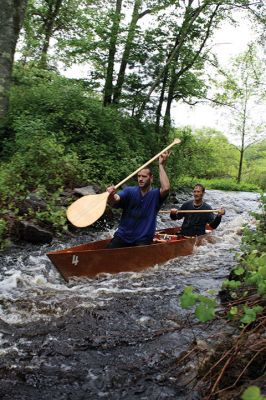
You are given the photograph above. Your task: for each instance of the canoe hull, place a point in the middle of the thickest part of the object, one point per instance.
(93, 258)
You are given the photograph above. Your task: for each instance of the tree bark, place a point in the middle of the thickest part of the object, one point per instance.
(243, 135)
(189, 19)
(170, 98)
(129, 41)
(11, 18)
(108, 88)
(184, 68)
(160, 103)
(49, 22)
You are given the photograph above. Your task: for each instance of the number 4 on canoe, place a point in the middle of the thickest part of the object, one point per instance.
(86, 210)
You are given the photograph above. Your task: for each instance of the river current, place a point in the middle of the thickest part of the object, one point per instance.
(117, 336)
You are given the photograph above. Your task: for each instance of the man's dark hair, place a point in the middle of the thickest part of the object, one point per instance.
(201, 186)
(149, 169)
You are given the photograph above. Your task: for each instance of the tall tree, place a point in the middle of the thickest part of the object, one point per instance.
(11, 18)
(131, 33)
(140, 10)
(108, 87)
(189, 16)
(49, 21)
(198, 21)
(48, 26)
(185, 60)
(242, 90)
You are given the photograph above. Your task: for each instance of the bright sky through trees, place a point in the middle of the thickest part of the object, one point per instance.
(228, 43)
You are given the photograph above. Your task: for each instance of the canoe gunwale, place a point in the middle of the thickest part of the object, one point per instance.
(75, 249)
(93, 258)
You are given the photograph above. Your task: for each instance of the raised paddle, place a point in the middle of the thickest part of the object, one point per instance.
(86, 210)
(188, 211)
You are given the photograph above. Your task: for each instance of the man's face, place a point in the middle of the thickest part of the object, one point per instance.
(144, 178)
(198, 193)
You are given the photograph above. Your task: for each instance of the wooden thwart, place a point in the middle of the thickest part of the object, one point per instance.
(188, 211)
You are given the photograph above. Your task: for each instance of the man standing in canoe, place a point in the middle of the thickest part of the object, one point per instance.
(140, 205)
(194, 223)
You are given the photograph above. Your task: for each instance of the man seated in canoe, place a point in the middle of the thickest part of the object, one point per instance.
(195, 222)
(140, 205)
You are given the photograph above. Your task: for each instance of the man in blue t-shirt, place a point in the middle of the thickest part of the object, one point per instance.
(195, 222)
(140, 205)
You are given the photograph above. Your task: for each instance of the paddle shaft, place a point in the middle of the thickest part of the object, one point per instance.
(188, 211)
(176, 141)
(86, 210)
(165, 234)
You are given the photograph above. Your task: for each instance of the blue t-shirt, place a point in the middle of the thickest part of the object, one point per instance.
(138, 220)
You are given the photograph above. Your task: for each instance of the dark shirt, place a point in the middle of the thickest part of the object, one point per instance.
(138, 220)
(194, 223)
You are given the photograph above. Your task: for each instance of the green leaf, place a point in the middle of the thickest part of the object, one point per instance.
(207, 300)
(239, 271)
(233, 311)
(232, 284)
(262, 269)
(252, 393)
(212, 291)
(250, 314)
(262, 288)
(188, 298)
(205, 312)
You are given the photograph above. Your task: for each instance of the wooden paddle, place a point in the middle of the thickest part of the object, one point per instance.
(86, 210)
(188, 211)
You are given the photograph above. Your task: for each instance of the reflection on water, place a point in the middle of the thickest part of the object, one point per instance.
(116, 336)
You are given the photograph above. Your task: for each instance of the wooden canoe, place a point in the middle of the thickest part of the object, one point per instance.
(90, 259)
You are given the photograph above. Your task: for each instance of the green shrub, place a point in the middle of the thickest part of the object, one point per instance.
(3, 232)
(230, 185)
(41, 161)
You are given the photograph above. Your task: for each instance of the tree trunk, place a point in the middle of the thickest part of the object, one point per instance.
(108, 88)
(187, 24)
(129, 41)
(174, 76)
(49, 23)
(160, 104)
(170, 98)
(167, 117)
(240, 165)
(243, 134)
(242, 148)
(11, 17)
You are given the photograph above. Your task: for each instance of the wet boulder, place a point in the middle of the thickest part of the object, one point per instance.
(32, 202)
(32, 233)
(85, 190)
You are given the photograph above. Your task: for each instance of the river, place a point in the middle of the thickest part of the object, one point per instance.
(118, 336)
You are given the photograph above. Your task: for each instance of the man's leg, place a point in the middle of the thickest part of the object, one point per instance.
(143, 242)
(117, 242)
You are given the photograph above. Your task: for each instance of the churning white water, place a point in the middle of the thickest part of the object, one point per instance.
(31, 288)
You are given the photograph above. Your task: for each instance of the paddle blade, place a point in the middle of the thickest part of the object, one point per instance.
(86, 210)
